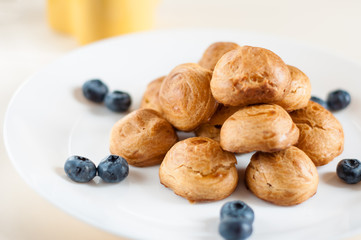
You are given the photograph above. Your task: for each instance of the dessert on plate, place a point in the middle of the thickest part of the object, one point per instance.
(287, 177)
(299, 93)
(198, 169)
(250, 75)
(186, 98)
(265, 127)
(142, 137)
(214, 52)
(321, 134)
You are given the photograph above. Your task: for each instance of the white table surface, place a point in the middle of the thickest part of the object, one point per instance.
(27, 44)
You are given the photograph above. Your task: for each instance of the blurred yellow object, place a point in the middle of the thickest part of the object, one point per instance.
(91, 20)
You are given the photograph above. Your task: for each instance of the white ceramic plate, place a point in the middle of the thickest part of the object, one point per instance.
(48, 120)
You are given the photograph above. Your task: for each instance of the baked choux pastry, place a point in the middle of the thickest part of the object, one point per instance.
(142, 137)
(285, 178)
(321, 134)
(214, 52)
(266, 128)
(299, 93)
(151, 94)
(186, 98)
(212, 128)
(250, 75)
(199, 170)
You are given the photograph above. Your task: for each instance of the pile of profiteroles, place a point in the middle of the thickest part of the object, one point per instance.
(236, 100)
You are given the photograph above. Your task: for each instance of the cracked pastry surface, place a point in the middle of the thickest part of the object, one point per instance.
(321, 134)
(214, 52)
(299, 93)
(151, 94)
(286, 178)
(250, 75)
(212, 128)
(186, 98)
(199, 170)
(265, 127)
(142, 137)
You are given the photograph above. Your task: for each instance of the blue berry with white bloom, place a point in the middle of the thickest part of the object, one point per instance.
(95, 90)
(80, 169)
(238, 210)
(236, 220)
(118, 101)
(113, 169)
(234, 229)
(338, 100)
(349, 170)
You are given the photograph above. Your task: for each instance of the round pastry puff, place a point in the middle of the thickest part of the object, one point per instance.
(299, 93)
(142, 137)
(214, 52)
(186, 98)
(250, 75)
(265, 127)
(199, 170)
(212, 128)
(321, 134)
(150, 98)
(285, 178)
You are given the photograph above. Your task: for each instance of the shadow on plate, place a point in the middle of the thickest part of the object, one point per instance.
(135, 176)
(332, 179)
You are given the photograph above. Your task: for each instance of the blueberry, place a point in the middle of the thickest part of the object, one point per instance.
(118, 101)
(80, 169)
(234, 229)
(237, 210)
(338, 100)
(319, 101)
(95, 90)
(113, 169)
(349, 170)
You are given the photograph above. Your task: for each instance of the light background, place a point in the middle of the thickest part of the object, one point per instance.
(27, 44)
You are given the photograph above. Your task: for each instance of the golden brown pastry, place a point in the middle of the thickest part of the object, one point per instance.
(199, 170)
(214, 52)
(142, 137)
(150, 97)
(321, 134)
(266, 128)
(299, 93)
(250, 75)
(186, 98)
(285, 178)
(212, 128)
